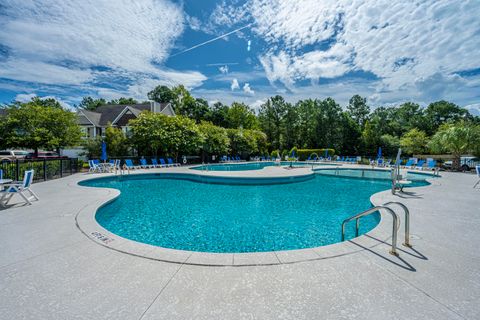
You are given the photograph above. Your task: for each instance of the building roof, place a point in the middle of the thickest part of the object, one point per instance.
(110, 113)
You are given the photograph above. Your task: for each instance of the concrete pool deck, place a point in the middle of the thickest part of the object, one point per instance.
(51, 270)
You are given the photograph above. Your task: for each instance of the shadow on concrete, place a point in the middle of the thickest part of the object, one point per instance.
(396, 260)
(409, 195)
(400, 248)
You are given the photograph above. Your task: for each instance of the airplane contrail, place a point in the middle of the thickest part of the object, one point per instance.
(222, 64)
(211, 40)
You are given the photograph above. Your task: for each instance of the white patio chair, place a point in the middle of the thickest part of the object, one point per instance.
(23, 189)
(477, 169)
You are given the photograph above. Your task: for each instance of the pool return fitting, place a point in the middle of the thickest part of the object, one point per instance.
(395, 224)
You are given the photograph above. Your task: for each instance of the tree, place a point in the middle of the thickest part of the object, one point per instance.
(389, 144)
(186, 105)
(123, 101)
(440, 112)
(351, 135)
(33, 126)
(307, 111)
(215, 139)
(242, 142)
(182, 99)
(117, 143)
(358, 109)
(456, 139)
(408, 116)
(161, 94)
(271, 117)
(92, 148)
(239, 115)
(148, 133)
(156, 132)
(218, 114)
(414, 142)
(291, 126)
(88, 103)
(370, 139)
(328, 127)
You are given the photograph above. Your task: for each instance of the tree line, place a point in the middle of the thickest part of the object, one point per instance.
(277, 126)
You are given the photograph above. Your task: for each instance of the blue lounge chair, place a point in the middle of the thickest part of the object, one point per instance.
(21, 188)
(163, 163)
(410, 164)
(144, 164)
(420, 164)
(129, 164)
(155, 163)
(431, 164)
(380, 163)
(171, 163)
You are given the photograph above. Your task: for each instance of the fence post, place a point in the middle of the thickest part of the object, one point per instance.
(44, 169)
(17, 170)
(71, 166)
(61, 168)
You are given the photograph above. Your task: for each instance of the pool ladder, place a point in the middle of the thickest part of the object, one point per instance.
(395, 226)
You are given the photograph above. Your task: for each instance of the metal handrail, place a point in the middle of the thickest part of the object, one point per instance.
(356, 217)
(407, 221)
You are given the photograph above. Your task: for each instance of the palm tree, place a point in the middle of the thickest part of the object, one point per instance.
(457, 139)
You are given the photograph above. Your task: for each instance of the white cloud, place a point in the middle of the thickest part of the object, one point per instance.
(402, 42)
(257, 103)
(223, 69)
(193, 22)
(121, 34)
(25, 97)
(248, 90)
(474, 109)
(87, 43)
(234, 85)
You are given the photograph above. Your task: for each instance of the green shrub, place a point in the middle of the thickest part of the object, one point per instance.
(275, 153)
(303, 154)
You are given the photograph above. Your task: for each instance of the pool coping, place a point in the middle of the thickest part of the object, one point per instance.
(87, 224)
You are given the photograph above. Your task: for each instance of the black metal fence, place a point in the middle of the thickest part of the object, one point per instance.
(45, 169)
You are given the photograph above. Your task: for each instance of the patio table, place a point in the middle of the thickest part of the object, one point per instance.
(5, 181)
(105, 167)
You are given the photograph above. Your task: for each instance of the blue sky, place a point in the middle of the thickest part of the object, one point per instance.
(242, 50)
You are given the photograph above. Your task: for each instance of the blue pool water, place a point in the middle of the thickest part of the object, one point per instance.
(195, 216)
(251, 165)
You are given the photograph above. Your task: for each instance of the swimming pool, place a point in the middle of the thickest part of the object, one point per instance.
(252, 165)
(189, 215)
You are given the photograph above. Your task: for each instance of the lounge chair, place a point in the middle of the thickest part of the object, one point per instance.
(92, 167)
(410, 164)
(129, 165)
(380, 163)
(163, 163)
(155, 163)
(477, 169)
(171, 163)
(420, 164)
(431, 164)
(144, 164)
(21, 188)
